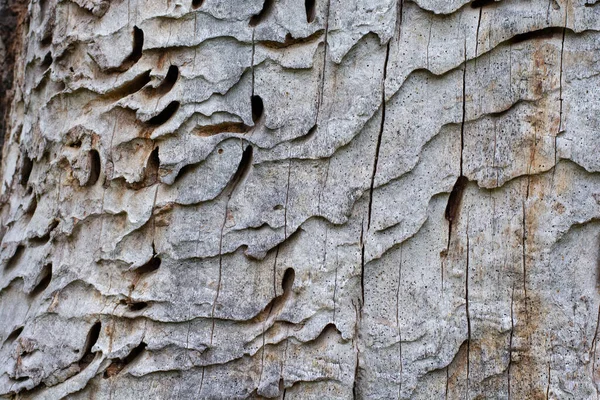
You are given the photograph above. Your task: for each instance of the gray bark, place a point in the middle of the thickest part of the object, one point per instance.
(321, 199)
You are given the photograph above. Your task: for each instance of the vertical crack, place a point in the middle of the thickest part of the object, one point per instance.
(287, 196)
(477, 36)
(594, 341)
(252, 59)
(468, 312)
(510, 340)
(548, 384)
(382, 125)
(335, 289)
(560, 87)
(322, 86)
(398, 318)
(362, 263)
(464, 108)
(524, 248)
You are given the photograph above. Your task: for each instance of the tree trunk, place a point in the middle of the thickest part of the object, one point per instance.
(321, 199)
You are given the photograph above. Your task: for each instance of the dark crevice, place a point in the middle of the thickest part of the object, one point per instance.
(468, 312)
(242, 170)
(167, 84)
(310, 10)
(118, 365)
(264, 13)
(545, 33)
(257, 108)
(44, 280)
(46, 62)
(32, 207)
(455, 198)
(45, 238)
(136, 52)
(95, 166)
(289, 40)
(14, 335)
(130, 87)
(14, 260)
(13, 18)
(149, 267)
(483, 3)
(288, 280)
(223, 127)
(90, 341)
(276, 304)
(379, 137)
(165, 114)
(137, 306)
(197, 4)
(362, 263)
(26, 168)
(150, 174)
(184, 171)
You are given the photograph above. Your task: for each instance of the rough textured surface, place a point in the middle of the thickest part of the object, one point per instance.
(320, 199)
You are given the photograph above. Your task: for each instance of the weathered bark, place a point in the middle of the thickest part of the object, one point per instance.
(319, 199)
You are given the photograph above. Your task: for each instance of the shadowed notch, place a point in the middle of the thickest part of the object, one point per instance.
(90, 341)
(167, 84)
(95, 166)
(264, 13)
(309, 5)
(258, 108)
(44, 280)
(482, 3)
(118, 365)
(455, 198)
(165, 114)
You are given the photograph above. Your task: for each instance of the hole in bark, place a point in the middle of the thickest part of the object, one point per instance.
(482, 3)
(260, 17)
(26, 169)
(243, 168)
(220, 151)
(545, 33)
(47, 61)
(44, 281)
(184, 171)
(310, 10)
(223, 127)
(90, 341)
(14, 335)
(169, 81)
(40, 240)
(197, 4)
(94, 159)
(288, 280)
(138, 306)
(278, 207)
(455, 198)
(257, 108)
(14, 260)
(46, 40)
(150, 266)
(152, 166)
(130, 87)
(32, 207)
(138, 44)
(165, 114)
(118, 365)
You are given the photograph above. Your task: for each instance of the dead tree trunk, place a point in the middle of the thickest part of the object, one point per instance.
(321, 199)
